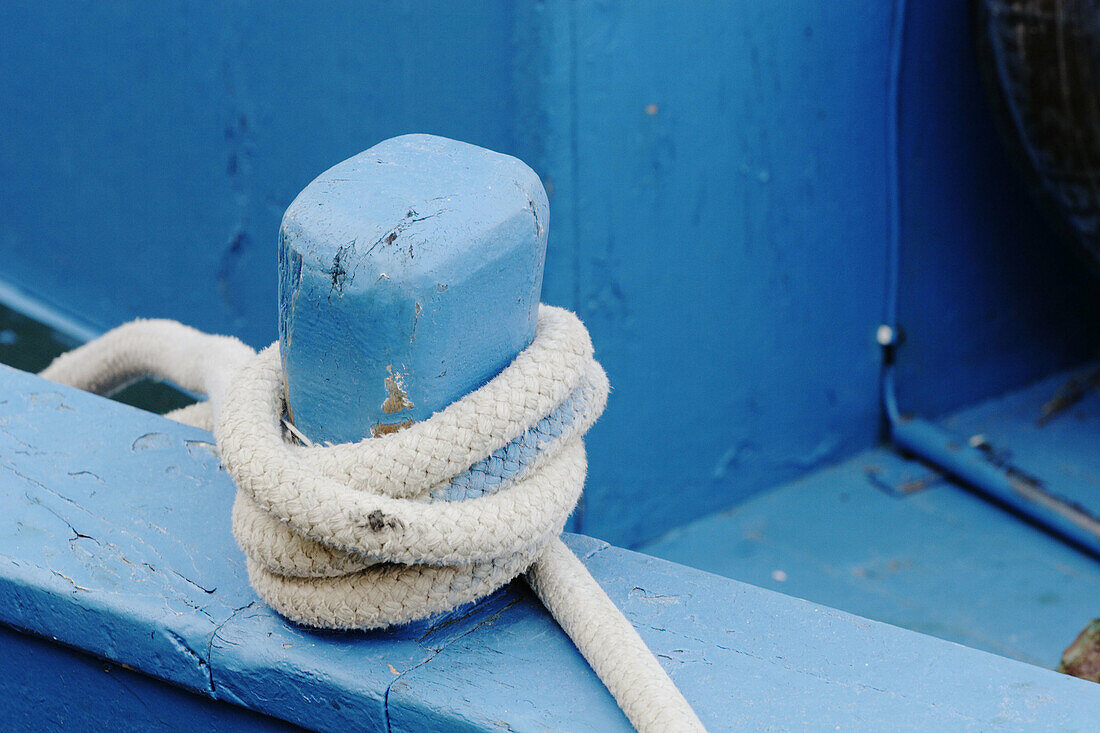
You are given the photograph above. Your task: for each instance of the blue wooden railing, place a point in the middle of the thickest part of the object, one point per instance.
(115, 545)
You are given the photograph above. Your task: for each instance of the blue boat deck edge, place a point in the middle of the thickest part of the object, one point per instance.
(115, 540)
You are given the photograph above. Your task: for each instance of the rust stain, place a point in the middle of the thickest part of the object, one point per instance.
(397, 394)
(379, 429)
(1082, 658)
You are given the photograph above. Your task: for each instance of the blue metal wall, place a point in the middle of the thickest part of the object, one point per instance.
(151, 148)
(725, 182)
(722, 197)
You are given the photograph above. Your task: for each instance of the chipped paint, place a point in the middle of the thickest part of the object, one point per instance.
(397, 395)
(379, 429)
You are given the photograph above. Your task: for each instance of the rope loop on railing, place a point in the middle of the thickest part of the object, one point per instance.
(417, 522)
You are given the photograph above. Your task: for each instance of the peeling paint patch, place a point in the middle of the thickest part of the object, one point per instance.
(76, 587)
(338, 272)
(88, 474)
(640, 592)
(203, 666)
(48, 400)
(150, 441)
(379, 429)
(202, 449)
(397, 398)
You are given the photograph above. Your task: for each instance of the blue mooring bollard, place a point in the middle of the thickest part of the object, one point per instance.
(409, 275)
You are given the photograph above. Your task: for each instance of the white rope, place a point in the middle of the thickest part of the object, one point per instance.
(398, 528)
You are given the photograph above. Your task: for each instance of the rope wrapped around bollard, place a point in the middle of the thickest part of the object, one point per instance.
(400, 527)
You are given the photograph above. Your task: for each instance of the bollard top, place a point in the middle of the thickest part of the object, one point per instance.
(412, 206)
(409, 275)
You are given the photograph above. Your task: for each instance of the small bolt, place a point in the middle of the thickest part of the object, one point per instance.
(886, 335)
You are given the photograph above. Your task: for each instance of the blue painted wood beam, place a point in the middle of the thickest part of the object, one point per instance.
(38, 695)
(115, 540)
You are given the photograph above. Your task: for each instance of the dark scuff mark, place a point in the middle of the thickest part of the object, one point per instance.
(535, 215)
(377, 521)
(77, 474)
(530, 207)
(240, 148)
(198, 585)
(411, 217)
(231, 256)
(338, 272)
(207, 667)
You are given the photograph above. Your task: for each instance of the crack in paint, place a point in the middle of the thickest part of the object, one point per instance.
(435, 652)
(213, 638)
(411, 217)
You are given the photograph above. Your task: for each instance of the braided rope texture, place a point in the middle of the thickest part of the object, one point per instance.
(407, 525)
(367, 535)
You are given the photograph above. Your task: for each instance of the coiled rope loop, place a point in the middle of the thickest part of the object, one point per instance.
(349, 536)
(407, 525)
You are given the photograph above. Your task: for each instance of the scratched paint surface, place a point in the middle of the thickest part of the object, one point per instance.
(128, 516)
(115, 539)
